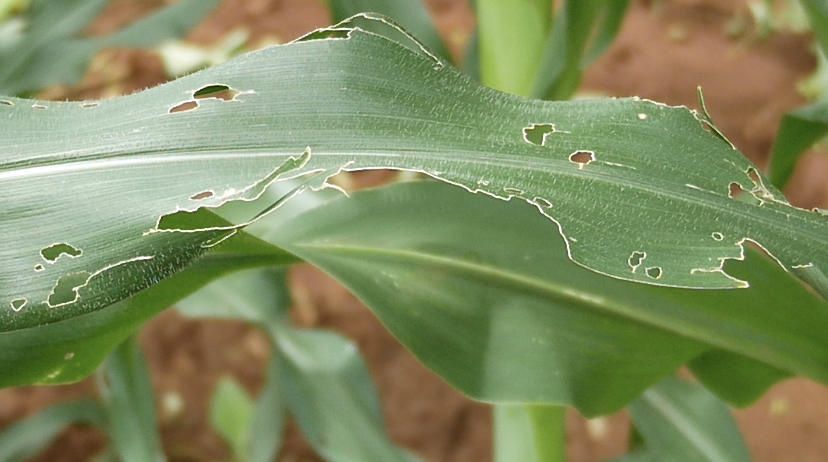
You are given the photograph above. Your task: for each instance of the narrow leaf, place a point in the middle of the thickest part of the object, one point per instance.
(130, 406)
(606, 29)
(50, 54)
(682, 422)
(320, 375)
(230, 415)
(798, 131)
(328, 390)
(268, 419)
(817, 12)
(24, 439)
(510, 41)
(411, 14)
(561, 62)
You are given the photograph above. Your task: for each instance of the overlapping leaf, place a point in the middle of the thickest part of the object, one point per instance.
(639, 190)
(475, 289)
(321, 376)
(682, 422)
(50, 53)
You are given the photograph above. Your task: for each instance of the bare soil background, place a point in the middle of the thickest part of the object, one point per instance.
(665, 49)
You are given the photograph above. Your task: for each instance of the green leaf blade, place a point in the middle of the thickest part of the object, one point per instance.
(684, 422)
(798, 130)
(101, 178)
(474, 289)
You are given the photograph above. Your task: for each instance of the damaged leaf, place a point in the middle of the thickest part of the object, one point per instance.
(102, 176)
(476, 291)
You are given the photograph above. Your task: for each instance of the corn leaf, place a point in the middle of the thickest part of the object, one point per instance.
(24, 439)
(798, 131)
(268, 419)
(50, 53)
(817, 12)
(258, 296)
(99, 200)
(564, 52)
(328, 390)
(411, 14)
(319, 375)
(230, 414)
(510, 42)
(682, 422)
(39, 354)
(475, 289)
(737, 379)
(130, 406)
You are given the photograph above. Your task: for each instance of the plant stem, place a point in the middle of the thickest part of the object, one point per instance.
(531, 433)
(511, 38)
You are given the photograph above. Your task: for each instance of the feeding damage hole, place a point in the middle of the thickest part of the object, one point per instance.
(717, 236)
(18, 303)
(184, 107)
(66, 289)
(202, 195)
(54, 251)
(582, 158)
(38, 106)
(5, 102)
(89, 104)
(340, 33)
(222, 92)
(754, 176)
(642, 116)
(38, 267)
(542, 202)
(635, 259)
(735, 190)
(536, 133)
(654, 272)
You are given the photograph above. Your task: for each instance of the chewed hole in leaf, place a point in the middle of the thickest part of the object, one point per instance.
(55, 251)
(89, 104)
(183, 107)
(582, 158)
(635, 259)
(66, 288)
(329, 33)
(5, 102)
(18, 303)
(754, 176)
(202, 195)
(222, 92)
(735, 190)
(654, 272)
(536, 133)
(38, 106)
(717, 236)
(543, 202)
(642, 116)
(38, 267)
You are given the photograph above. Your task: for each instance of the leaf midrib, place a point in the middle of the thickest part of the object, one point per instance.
(567, 294)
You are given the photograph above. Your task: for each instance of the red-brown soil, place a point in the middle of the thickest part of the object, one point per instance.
(665, 49)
